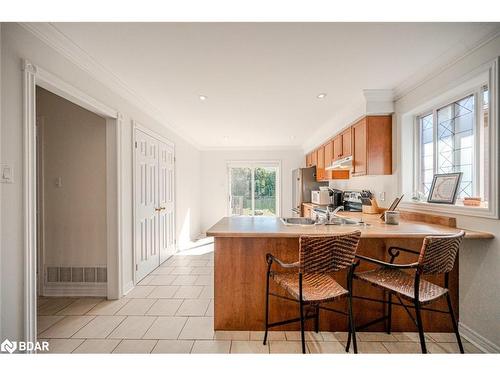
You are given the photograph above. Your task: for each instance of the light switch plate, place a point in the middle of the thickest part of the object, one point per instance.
(6, 174)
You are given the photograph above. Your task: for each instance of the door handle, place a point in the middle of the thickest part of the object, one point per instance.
(160, 209)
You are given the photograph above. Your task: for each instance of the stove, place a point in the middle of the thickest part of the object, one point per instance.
(352, 201)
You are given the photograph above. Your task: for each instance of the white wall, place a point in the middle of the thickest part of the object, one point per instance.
(17, 43)
(214, 191)
(479, 260)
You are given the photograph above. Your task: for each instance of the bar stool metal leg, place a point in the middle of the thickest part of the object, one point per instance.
(420, 326)
(352, 326)
(301, 303)
(316, 319)
(389, 314)
(454, 321)
(267, 306)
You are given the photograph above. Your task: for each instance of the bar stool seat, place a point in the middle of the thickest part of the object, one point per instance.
(402, 283)
(316, 287)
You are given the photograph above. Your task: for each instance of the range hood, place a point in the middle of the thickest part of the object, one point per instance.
(344, 163)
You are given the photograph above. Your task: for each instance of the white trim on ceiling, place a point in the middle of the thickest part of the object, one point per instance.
(54, 38)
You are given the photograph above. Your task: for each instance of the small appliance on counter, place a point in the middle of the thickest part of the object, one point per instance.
(369, 203)
(352, 201)
(321, 196)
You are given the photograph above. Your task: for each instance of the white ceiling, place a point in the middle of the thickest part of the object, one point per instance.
(262, 79)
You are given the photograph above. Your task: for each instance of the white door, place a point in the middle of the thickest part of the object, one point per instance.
(166, 201)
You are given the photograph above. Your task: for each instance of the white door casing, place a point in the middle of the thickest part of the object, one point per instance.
(154, 235)
(166, 201)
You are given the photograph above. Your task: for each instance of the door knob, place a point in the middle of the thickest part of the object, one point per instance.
(160, 209)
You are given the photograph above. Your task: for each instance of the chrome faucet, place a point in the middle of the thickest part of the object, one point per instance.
(330, 214)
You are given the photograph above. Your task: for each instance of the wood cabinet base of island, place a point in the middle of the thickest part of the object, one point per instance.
(240, 282)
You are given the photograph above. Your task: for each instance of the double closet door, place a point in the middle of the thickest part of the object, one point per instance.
(154, 229)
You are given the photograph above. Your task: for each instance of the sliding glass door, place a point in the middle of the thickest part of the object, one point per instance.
(254, 188)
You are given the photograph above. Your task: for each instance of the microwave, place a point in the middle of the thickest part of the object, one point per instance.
(321, 197)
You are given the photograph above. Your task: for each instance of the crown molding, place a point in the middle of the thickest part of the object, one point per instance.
(54, 38)
(252, 148)
(442, 63)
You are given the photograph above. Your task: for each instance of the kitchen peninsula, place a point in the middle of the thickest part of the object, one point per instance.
(240, 269)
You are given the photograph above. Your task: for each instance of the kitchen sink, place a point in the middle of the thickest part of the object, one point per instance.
(297, 221)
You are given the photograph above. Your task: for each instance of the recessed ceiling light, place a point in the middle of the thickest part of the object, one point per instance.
(321, 95)
(203, 97)
(226, 138)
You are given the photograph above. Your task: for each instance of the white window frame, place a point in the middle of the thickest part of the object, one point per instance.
(408, 140)
(252, 165)
(478, 104)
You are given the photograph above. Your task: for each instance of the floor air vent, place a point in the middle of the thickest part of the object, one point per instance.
(76, 275)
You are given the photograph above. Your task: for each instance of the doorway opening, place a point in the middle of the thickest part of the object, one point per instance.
(71, 199)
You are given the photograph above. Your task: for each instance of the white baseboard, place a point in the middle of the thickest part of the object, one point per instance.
(480, 342)
(75, 290)
(128, 287)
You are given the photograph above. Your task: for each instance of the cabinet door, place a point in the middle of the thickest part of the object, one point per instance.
(346, 143)
(328, 159)
(320, 166)
(359, 138)
(314, 157)
(308, 160)
(337, 147)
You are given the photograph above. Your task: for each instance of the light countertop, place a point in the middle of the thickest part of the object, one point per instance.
(260, 226)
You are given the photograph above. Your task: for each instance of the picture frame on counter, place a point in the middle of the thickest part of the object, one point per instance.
(444, 188)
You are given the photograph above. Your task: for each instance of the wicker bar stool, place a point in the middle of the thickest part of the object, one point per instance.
(437, 256)
(310, 281)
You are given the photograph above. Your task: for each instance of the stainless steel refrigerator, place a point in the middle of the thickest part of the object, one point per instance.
(303, 182)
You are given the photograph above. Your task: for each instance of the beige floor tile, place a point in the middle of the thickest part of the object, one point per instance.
(210, 310)
(189, 291)
(52, 305)
(250, 347)
(329, 336)
(60, 346)
(204, 280)
(164, 291)
(108, 307)
(442, 337)
(93, 346)
(166, 328)
(342, 336)
(99, 328)
(44, 322)
(374, 336)
(184, 280)
(368, 347)
(165, 307)
(181, 270)
(232, 335)
(67, 327)
(202, 270)
(140, 291)
(286, 347)
(173, 346)
(162, 279)
(198, 328)
(410, 336)
(135, 346)
(136, 306)
(162, 271)
(133, 327)
(211, 347)
(208, 292)
(271, 336)
(452, 347)
(145, 281)
(318, 347)
(80, 306)
(199, 263)
(193, 307)
(309, 336)
(402, 347)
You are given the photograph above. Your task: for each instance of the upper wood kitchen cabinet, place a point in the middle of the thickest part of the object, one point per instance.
(320, 166)
(309, 160)
(342, 145)
(372, 146)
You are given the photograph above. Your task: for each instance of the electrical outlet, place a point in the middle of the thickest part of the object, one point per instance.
(381, 196)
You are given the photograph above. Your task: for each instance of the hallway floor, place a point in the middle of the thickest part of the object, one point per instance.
(171, 311)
